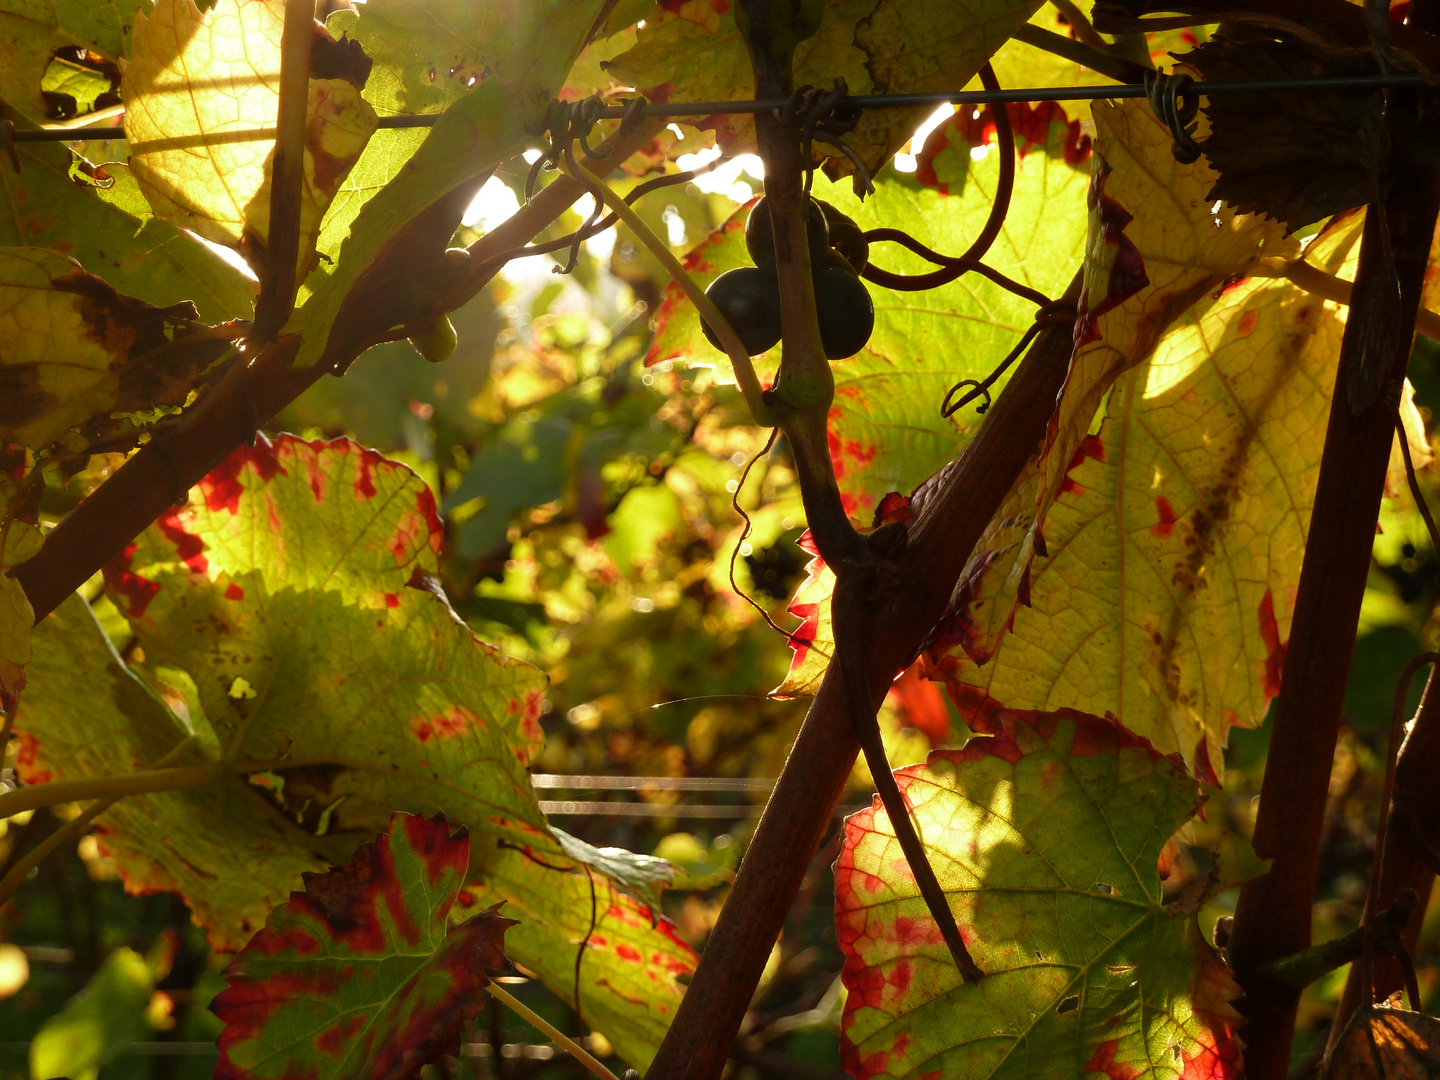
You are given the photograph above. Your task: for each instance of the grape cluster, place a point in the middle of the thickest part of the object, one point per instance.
(749, 296)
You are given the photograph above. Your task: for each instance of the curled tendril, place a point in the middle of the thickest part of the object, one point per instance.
(825, 116)
(1175, 103)
(1052, 313)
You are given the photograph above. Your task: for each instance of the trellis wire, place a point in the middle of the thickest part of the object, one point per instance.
(865, 101)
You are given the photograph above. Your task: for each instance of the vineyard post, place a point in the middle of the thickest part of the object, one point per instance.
(1274, 912)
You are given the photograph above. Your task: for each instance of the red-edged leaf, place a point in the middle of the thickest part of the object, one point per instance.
(1045, 837)
(356, 976)
(1173, 549)
(291, 613)
(814, 642)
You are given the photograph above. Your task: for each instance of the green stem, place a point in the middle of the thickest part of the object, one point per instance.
(104, 787)
(43, 850)
(1102, 60)
(569, 1045)
(739, 358)
(1300, 969)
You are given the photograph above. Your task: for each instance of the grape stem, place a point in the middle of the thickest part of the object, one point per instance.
(16, 875)
(739, 359)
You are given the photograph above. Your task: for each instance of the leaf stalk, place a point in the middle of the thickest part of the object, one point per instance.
(570, 1046)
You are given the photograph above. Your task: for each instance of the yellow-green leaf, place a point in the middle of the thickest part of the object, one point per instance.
(694, 52)
(31, 30)
(492, 122)
(1045, 838)
(16, 619)
(1175, 543)
(1190, 248)
(201, 93)
(79, 355)
(99, 217)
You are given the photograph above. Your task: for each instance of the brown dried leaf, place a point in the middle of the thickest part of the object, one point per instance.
(1296, 157)
(1386, 1042)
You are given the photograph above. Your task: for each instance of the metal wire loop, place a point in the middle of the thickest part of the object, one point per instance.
(1176, 104)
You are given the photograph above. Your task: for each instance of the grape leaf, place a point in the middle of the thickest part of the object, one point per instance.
(1264, 164)
(884, 47)
(1189, 249)
(356, 975)
(433, 51)
(82, 357)
(16, 619)
(31, 31)
(412, 73)
(813, 641)
(1385, 1041)
(494, 121)
(289, 612)
(284, 595)
(80, 83)
(19, 540)
(632, 963)
(104, 1018)
(201, 93)
(886, 431)
(54, 203)
(1046, 838)
(1175, 544)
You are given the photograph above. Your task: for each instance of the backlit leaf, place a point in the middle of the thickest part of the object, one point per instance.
(356, 976)
(633, 959)
(284, 594)
(289, 610)
(813, 641)
(1175, 543)
(79, 355)
(16, 619)
(414, 72)
(884, 47)
(1045, 837)
(1188, 249)
(201, 93)
(491, 123)
(110, 231)
(30, 30)
(82, 84)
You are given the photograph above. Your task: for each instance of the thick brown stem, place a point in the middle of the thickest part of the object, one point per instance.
(950, 522)
(287, 172)
(1273, 917)
(152, 480)
(1412, 817)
